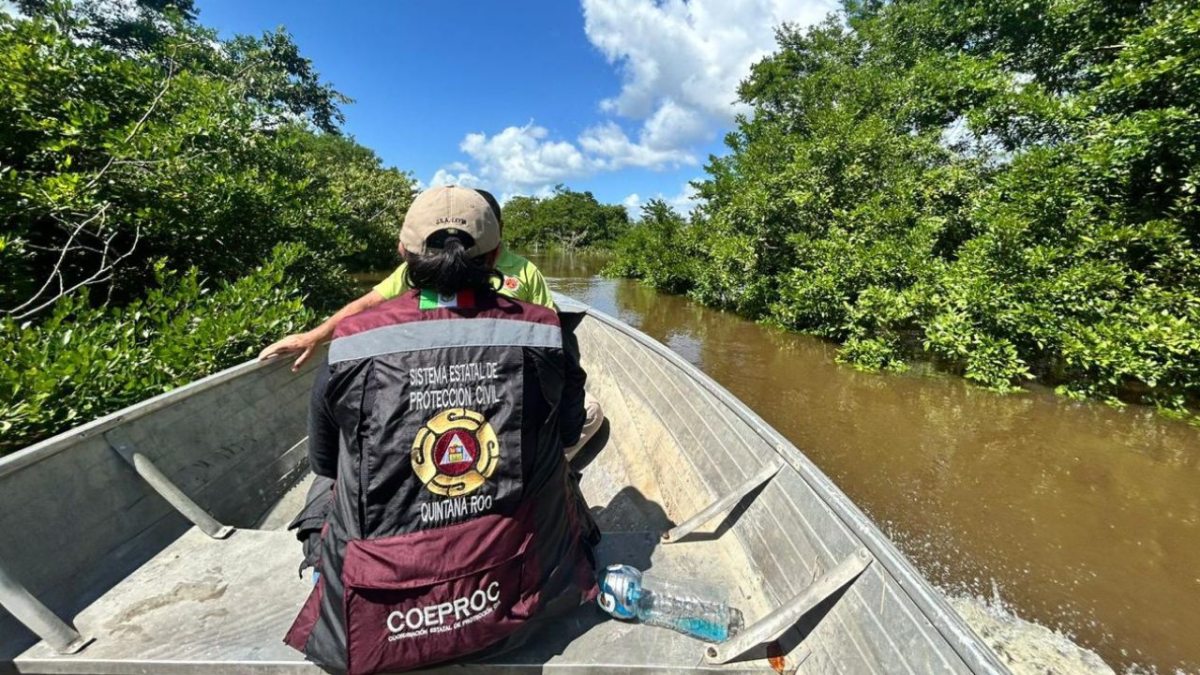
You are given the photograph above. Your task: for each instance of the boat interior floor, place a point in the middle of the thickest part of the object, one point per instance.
(205, 604)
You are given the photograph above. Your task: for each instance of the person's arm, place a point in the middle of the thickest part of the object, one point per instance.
(322, 428)
(306, 342)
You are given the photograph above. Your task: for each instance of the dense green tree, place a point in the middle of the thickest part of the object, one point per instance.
(184, 148)
(169, 202)
(670, 236)
(365, 203)
(566, 219)
(1007, 186)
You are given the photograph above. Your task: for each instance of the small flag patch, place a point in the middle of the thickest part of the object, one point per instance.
(431, 299)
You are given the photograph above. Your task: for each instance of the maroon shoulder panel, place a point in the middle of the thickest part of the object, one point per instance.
(405, 308)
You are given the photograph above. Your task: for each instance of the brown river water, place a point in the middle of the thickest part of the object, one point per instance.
(1077, 516)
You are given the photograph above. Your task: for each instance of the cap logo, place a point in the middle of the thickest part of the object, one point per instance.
(450, 219)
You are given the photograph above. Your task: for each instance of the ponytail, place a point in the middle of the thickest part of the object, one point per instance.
(447, 268)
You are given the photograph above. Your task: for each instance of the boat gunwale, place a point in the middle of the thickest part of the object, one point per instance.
(49, 447)
(969, 647)
(932, 603)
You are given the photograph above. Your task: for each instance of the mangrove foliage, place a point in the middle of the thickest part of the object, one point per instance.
(563, 220)
(1007, 187)
(171, 201)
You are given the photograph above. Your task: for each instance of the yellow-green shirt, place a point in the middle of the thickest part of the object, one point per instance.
(522, 280)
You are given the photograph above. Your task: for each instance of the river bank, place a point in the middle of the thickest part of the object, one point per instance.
(1080, 517)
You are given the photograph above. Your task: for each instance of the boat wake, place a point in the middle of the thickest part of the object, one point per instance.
(1027, 648)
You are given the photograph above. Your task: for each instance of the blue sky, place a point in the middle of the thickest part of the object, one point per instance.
(626, 98)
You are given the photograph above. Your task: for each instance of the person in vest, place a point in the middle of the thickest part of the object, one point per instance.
(521, 280)
(456, 527)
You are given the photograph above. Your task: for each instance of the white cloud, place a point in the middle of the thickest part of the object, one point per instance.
(684, 202)
(687, 199)
(674, 126)
(680, 63)
(455, 173)
(521, 158)
(525, 160)
(689, 56)
(612, 150)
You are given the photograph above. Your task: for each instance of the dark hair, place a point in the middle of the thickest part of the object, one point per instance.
(487, 197)
(446, 268)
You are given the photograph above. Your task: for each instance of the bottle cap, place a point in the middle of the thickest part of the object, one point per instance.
(620, 588)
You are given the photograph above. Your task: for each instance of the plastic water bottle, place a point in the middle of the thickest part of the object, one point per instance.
(667, 604)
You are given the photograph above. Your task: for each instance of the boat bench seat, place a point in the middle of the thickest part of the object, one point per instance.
(224, 605)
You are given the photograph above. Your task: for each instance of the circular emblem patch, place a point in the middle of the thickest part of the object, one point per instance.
(512, 283)
(455, 452)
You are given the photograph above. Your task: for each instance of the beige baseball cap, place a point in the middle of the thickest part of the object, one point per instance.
(450, 208)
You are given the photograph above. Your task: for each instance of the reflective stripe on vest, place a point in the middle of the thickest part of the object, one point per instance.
(407, 337)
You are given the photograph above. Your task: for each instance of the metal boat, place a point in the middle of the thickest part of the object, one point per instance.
(153, 540)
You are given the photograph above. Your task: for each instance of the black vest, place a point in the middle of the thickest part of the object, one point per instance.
(456, 519)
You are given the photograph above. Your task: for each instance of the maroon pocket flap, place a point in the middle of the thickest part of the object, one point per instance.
(433, 556)
(417, 599)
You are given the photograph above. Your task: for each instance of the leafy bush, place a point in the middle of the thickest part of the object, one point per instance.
(83, 362)
(668, 235)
